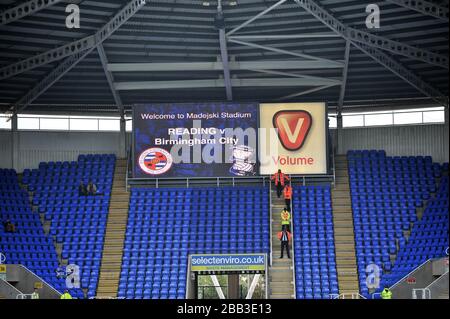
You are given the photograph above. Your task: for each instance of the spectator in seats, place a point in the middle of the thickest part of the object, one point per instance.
(91, 189)
(35, 294)
(285, 237)
(66, 295)
(82, 190)
(279, 179)
(386, 293)
(287, 192)
(9, 227)
(286, 219)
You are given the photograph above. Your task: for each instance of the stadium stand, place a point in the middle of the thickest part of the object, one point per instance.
(166, 225)
(385, 193)
(429, 237)
(29, 245)
(77, 222)
(315, 264)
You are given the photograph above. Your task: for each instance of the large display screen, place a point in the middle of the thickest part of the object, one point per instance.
(293, 138)
(195, 140)
(229, 139)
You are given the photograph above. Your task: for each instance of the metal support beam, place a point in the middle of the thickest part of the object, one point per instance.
(252, 288)
(15, 143)
(407, 75)
(285, 37)
(220, 21)
(424, 7)
(217, 286)
(117, 100)
(320, 88)
(77, 46)
(344, 75)
(256, 17)
(295, 75)
(370, 49)
(43, 85)
(218, 66)
(370, 39)
(220, 83)
(340, 138)
(110, 79)
(24, 9)
(281, 51)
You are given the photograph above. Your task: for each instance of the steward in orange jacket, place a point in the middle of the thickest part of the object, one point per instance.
(279, 179)
(287, 192)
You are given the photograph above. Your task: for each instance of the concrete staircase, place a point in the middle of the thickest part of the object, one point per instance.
(344, 238)
(115, 235)
(280, 273)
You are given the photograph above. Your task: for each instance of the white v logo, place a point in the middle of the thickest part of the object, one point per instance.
(292, 136)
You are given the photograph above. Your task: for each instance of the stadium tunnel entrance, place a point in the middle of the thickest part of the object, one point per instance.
(227, 276)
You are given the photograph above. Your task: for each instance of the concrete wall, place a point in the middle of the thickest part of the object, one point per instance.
(401, 140)
(35, 147)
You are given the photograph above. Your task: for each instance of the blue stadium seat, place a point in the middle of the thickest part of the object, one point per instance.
(222, 217)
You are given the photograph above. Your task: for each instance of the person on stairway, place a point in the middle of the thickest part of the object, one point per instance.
(285, 237)
(286, 219)
(287, 193)
(279, 179)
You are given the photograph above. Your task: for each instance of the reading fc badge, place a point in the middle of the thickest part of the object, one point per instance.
(155, 161)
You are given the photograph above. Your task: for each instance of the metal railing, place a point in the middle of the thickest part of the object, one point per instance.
(430, 287)
(223, 181)
(271, 221)
(353, 295)
(128, 169)
(425, 293)
(41, 280)
(292, 241)
(334, 166)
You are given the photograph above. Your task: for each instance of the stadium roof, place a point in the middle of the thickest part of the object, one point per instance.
(171, 51)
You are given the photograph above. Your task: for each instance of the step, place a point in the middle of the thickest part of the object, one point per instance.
(122, 197)
(340, 193)
(343, 214)
(345, 263)
(281, 296)
(347, 270)
(114, 251)
(345, 253)
(281, 276)
(282, 290)
(348, 223)
(348, 287)
(342, 187)
(345, 202)
(114, 205)
(342, 171)
(344, 233)
(345, 246)
(341, 209)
